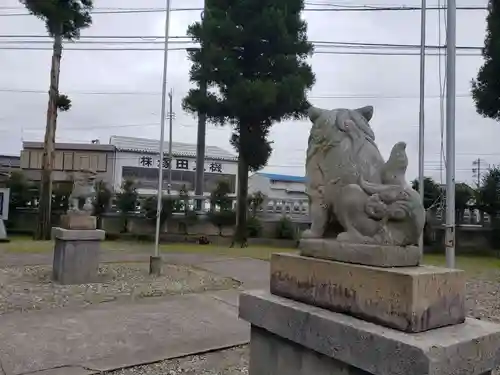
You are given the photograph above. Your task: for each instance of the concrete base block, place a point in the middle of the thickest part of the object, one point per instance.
(273, 355)
(76, 258)
(412, 299)
(312, 340)
(369, 255)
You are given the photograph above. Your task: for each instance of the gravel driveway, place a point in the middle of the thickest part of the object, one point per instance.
(31, 288)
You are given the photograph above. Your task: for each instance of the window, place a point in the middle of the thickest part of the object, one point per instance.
(25, 159)
(182, 164)
(58, 161)
(84, 162)
(68, 161)
(94, 162)
(35, 159)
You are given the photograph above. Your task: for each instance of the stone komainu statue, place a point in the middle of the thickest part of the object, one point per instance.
(83, 192)
(354, 195)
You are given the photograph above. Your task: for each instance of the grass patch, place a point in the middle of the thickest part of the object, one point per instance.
(25, 245)
(469, 263)
(256, 252)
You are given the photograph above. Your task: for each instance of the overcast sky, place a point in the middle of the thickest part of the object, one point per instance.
(389, 83)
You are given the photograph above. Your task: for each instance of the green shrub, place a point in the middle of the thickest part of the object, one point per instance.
(222, 219)
(112, 236)
(254, 227)
(285, 229)
(495, 233)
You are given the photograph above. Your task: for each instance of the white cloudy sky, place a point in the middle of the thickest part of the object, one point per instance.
(389, 83)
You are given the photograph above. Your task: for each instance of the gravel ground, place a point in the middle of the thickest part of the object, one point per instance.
(483, 292)
(31, 287)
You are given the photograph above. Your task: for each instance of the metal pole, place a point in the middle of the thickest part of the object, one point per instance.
(200, 153)
(450, 133)
(421, 117)
(200, 144)
(478, 172)
(162, 134)
(171, 119)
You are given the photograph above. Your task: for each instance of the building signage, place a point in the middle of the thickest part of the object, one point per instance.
(4, 203)
(178, 164)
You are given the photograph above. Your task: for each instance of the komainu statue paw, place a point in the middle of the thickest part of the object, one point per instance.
(308, 233)
(354, 238)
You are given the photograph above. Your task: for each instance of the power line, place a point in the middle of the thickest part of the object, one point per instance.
(332, 44)
(147, 49)
(153, 93)
(318, 9)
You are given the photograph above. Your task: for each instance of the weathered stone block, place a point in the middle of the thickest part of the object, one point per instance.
(413, 299)
(78, 221)
(465, 349)
(369, 255)
(78, 234)
(76, 256)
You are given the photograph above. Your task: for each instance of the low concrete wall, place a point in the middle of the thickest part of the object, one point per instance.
(469, 240)
(139, 227)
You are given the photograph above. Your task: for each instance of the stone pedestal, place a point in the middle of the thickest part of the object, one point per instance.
(76, 255)
(81, 221)
(328, 317)
(411, 299)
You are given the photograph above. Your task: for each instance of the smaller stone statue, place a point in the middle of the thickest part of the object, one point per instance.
(80, 200)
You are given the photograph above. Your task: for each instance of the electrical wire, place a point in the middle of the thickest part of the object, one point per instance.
(313, 9)
(327, 96)
(326, 44)
(363, 51)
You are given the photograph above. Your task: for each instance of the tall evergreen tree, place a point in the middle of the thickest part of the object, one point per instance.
(253, 60)
(63, 19)
(486, 88)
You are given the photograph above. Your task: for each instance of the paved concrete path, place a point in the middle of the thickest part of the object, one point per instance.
(103, 337)
(110, 336)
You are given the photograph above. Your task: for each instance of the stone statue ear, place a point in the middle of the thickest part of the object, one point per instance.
(366, 112)
(314, 113)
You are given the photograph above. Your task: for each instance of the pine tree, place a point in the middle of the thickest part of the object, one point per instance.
(486, 88)
(253, 58)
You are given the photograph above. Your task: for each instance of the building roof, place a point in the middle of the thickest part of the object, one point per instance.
(71, 146)
(178, 148)
(10, 160)
(283, 177)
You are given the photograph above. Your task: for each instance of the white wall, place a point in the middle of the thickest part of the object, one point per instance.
(134, 159)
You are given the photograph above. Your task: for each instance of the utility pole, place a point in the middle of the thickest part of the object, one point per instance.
(45, 203)
(450, 132)
(171, 116)
(421, 117)
(155, 261)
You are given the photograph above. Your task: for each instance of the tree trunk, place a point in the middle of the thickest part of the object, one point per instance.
(43, 231)
(240, 235)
